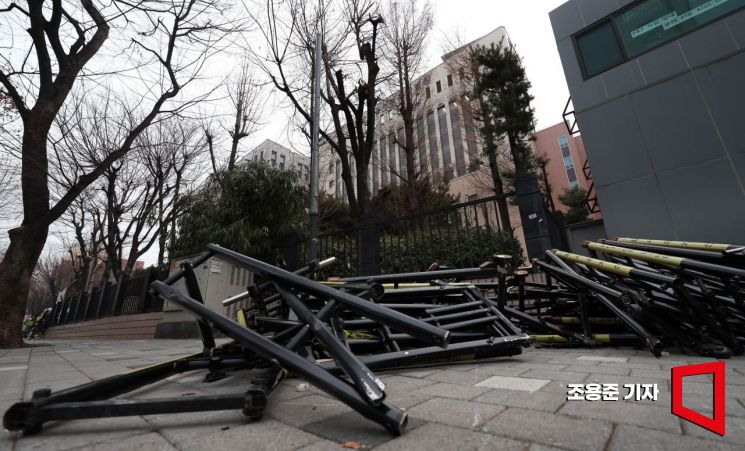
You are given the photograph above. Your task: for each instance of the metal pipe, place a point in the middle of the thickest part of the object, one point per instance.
(391, 418)
(397, 320)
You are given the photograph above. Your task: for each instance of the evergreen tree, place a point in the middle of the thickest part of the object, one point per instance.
(575, 199)
(504, 90)
(247, 209)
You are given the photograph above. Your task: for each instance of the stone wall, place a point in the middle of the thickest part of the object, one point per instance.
(126, 327)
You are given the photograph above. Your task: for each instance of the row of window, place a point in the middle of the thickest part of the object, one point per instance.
(302, 169)
(568, 161)
(386, 151)
(428, 93)
(643, 26)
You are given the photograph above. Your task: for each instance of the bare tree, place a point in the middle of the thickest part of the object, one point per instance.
(167, 43)
(247, 103)
(55, 274)
(459, 58)
(349, 33)
(408, 25)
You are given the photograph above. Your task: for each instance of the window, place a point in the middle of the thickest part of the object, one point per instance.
(439, 86)
(428, 92)
(644, 26)
(444, 141)
(432, 133)
(460, 159)
(599, 49)
(450, 80)
(232, 275)
(568, 161)
(274, 158)
(654, 22)
(281, 161)
(307, 173)
(331, 185)
(262, 155)
(331, 168)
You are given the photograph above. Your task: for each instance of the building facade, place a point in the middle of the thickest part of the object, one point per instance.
(445, 134)
(281, 157)
(567, 165)
(658, 91)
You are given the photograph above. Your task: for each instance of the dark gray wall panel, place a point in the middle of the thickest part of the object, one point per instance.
(570, 62)
(615, 148)
(663, 62)
(736, 24)
(588, 94)
(723, 85)
(708, 44)
(566, 20)
(706, 202)
(738, 161)
(594, 10)
(623, 79)
(675, 124)
(635, 208)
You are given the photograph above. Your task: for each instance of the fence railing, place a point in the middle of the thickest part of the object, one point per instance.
(463, 235)
(127, 297)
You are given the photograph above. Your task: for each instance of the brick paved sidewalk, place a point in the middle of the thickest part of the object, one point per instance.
(514, 404)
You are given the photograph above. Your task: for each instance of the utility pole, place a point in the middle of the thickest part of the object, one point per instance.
(313, 244)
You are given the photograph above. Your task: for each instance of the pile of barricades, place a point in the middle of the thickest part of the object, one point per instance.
(334, 333)
(657, 294)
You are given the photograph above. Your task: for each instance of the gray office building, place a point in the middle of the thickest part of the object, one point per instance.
(658, 88)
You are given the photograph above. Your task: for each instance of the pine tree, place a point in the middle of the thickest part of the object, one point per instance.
(504, 89)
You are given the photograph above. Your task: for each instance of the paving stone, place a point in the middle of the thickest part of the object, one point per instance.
(262, 435)
(549, 429)
(185, 426)
(561, 376)
(619, 371)
(308, 409)
(632, 364)
(322, 445)
(149, 441)
(634, 438)
(650, 373)
(539, 447)
(636, 414)
(496, 370)
(452, 390)
(354, 427)
(462, 414)
(437, 436)
(82, 433)
(541, 366)
(398, 384)
(597, 358)
(546, 401)
(424, 372)
(735, 431)
(459, 377)
(514, 383)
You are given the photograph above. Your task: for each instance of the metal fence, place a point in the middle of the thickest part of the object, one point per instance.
(128, 297)
(463, 235)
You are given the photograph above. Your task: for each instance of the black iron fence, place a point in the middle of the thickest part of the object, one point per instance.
(461, 235)
(127, 297)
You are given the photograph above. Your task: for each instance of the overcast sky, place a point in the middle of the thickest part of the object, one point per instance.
(529, 28)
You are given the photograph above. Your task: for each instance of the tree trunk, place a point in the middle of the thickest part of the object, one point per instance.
(504, 212)
(16, 269)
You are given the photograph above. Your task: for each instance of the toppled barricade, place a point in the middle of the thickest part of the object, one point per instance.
(329, 334)
(656, 294)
